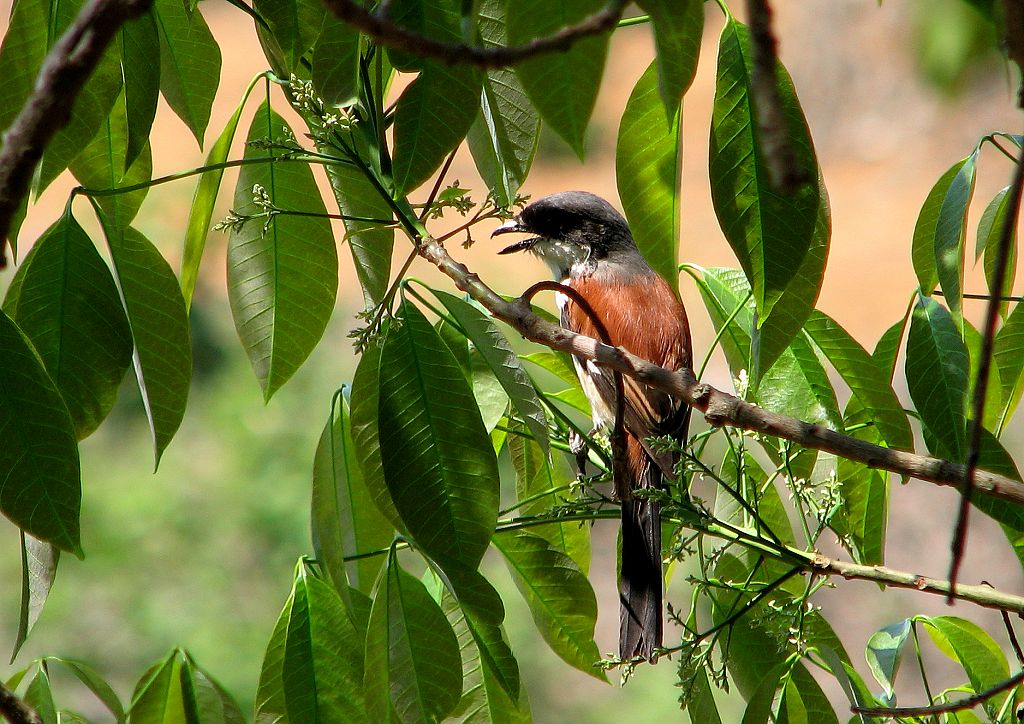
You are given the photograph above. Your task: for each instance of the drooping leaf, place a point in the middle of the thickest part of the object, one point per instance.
(39, 697)
(21, 55)
(678, 27)
(560, 597)
(336, 62)
(189, 64)
(938, 247)
(346, 521)
(294, 25)
(432, 116)
(140, 64)
(990, 229)
(38, 569)
(936, 367)
(504, 134)
(759, 704)
(413, 670)
(437, 460)
(65, 301)
(203, 202)
(647, 169)
(159, 323)
(1009, 358)
(101, 165)
(496, 351)
(769, 231)
(885, 651)
(562, 86)
(94, 682)
(41, 489)
(282, 270)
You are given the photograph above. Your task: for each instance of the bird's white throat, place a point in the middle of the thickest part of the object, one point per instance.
(561, 256)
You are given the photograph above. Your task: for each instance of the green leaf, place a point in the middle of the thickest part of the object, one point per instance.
(770, 232)
(647, 169)
(159, 697)
(503, 137)
(432, 117)
(436, 456)
(294, 25)
(270, 707)
(159, 323)
(560, 598)
(336, 62)
(759, 705)
(536, 473)
(884, 652)
(700, 702)
(1009, 359)
(436, 19)
(868, 382)
(993, 389)
(365, 398)
(938, 252)
(562, 86)
(496, 351)
(212, 701)
(936, 368)
(101, 165)
(40, 479)
(861, 521)
(94, 682)
(990, 228)
(371, 243)
(140, 63)
(851, 682)
(994, 457)
(282, 273)
(678, 28)
(66, 303)
(21, 55)
(204, 200)
(189, 64)
(38, 569)
(39, 697)
(491, 398)
(346, 521)
(967, 643)
(413, 669)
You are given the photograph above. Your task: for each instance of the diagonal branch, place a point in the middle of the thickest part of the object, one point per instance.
(66, 68)
(379, 27)
(719, 408)
(964, 704)
(15, 710)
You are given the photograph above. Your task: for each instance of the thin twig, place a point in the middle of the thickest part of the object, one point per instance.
(1006, 235)
(64, 73)
(966, 703)
(15, 710)
(383, 31)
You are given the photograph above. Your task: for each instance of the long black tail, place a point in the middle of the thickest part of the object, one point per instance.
(640, 578)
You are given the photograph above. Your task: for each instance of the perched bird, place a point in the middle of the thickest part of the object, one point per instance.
(588, 246)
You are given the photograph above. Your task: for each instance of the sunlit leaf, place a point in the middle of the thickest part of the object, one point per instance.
(678, 28)
(967, 643)
(885, 651)
(990, 229)
(140, 63)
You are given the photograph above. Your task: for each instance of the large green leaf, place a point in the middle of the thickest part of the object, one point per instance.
(432, 116)
(203, 202)
(769, 231)
(413, 670)
(38, 570)
(936, 367)
(967, 643)
(938, 247)
(678, 27)
(294, 26)
(282, 271)
(40, 479)
(39, 697)
(504, 135)
(159, 323)
(437, 459)
(496, 351)
(102, 163)
(21, 55)
(140, 64)
(563, 86)
(65, 301)
(346, 520)
(336, 62)
(160, 697)
(647, 168)
(884, 652)
(990, 229)
(868, 382)
(537, 474)
(189, 64)
(560, 598)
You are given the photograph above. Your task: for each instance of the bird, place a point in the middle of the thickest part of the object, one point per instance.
(588, 246)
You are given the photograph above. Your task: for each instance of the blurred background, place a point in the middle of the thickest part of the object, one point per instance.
(201, 553)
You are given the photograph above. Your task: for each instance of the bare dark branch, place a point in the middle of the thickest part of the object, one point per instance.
(963, 704)
(15, 710)
(383, 31)
(65, 70)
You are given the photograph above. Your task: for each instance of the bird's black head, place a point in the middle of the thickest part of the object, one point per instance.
(569, 229)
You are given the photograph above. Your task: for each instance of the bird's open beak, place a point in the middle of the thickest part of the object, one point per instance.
(513, 226)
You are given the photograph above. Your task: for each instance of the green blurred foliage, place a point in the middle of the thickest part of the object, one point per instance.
(953, 40)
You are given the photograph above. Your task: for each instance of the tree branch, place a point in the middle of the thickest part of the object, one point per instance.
(385, 32)
(15, 710)
(960, 705)
(719, 408)
(66, 68)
